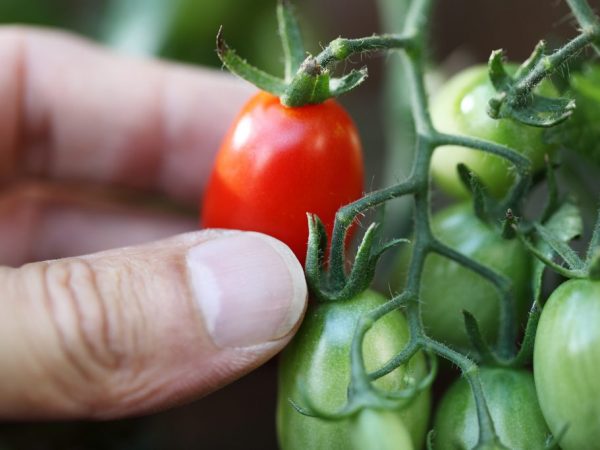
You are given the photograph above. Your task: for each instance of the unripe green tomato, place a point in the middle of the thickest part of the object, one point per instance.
(381, 430)
(319, 358)
(459, 107)
(447, 288)
(512, 402)
(566, 363)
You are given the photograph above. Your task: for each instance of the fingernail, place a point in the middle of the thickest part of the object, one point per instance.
(250, 288)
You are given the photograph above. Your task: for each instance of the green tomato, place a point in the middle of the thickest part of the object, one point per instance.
(459, 107)
(319, 359)
(447, 288)
(382, 430)
(566, 361)
(512, 402)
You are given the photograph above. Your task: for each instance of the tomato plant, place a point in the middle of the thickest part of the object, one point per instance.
(460, 107)
(566, 363)
(513, 405)
(319, 359)
(295, 151)
(447, 288)
(278, 163)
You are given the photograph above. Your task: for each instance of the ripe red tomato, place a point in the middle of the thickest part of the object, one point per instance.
(278, 163)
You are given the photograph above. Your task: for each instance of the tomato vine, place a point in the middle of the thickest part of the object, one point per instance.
(515, 100)
(308, 80)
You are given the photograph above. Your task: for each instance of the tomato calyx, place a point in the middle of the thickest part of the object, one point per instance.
(328, 281)
(553, 237)
(308, 79)
(516, 99)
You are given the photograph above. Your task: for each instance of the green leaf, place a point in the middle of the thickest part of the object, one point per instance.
(566, 223)
(566, 253)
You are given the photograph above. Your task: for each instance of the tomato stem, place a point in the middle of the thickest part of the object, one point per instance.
(587, 19)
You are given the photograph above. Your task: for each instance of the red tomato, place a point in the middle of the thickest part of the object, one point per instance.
(278, 163)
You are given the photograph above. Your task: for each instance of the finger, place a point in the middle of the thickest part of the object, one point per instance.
(40, 221)
(73, 111)
(142, 328)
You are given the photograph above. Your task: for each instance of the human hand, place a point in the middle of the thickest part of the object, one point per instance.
(142, 327)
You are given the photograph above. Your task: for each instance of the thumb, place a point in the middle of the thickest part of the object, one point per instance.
(141, 328)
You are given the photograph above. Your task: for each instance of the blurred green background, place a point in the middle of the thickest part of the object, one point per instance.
(463, 31)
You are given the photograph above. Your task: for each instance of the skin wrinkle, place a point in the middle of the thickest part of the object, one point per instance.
(135, 298)
(61, 275)
(64, 386)
(105, 360)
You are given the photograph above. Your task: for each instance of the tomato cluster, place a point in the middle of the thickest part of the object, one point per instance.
(476, 274)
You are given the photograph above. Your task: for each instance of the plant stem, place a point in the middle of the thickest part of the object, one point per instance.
(550, 63)
(341, 48)
(586, 18)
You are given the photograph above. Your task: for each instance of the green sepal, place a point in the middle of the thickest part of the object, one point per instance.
(291, 38)
(499, 77)
(339, 86)
(527, 108)
(481, 200)
(594, 245)
(564, 225)
(540, 111)
(315, 252)
(525, 354)
(594, 266)
(534, 59)
(560, 247)
(483, 352)
(244, 70)
(363, 268)
(509, 224)
(430, 439)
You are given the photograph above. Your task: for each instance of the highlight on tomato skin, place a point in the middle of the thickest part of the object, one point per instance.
(566, 359)
(459, 107)
(278, 163)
